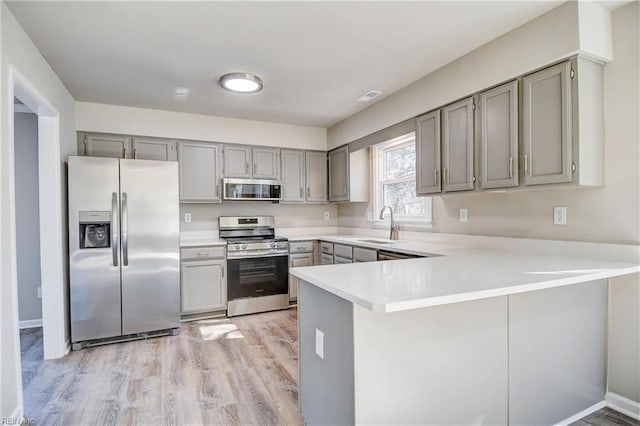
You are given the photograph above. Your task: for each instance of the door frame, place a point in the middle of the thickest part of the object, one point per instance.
(52, 224)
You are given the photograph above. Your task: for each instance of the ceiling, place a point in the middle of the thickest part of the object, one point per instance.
(316, 58)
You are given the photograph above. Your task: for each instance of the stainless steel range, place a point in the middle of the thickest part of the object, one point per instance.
(257, 265)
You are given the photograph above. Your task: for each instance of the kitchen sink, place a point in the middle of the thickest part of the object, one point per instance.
(376, 241)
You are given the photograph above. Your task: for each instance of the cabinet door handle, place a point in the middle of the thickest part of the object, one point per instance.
(202, 253)
(510, 167)
(526, 165)
(124, 153)
(85, 144)
(255, 166)
(435, 177)
(135, 154)
(308, 192)
(300, 191)
(246, 167)
(218, 190)
(445, 176)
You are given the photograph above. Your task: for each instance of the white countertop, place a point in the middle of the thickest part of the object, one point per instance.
(458, 275)
(200, 238)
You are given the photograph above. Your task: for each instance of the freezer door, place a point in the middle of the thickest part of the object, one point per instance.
(94, 270)
(150, 245)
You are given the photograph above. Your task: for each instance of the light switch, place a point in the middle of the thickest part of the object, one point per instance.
(320, 343)
(560, 215)
(187, 218)
(464, 215)
(327, 215)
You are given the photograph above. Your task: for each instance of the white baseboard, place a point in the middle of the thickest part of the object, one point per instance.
(581, 414)
(623, 405)
(30, 323)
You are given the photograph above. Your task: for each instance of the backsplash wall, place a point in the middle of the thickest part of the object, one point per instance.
(204, 217)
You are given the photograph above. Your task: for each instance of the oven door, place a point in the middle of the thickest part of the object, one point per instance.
(257, 276)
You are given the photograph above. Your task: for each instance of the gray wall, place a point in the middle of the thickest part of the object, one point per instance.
(27, 215)
(204, 217)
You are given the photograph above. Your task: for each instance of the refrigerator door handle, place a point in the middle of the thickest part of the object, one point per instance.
(125, 231)
(114, 227)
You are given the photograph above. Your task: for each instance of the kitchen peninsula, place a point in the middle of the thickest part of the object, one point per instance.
(472, 336)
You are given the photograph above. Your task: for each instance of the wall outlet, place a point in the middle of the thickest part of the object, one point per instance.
(327, 215)
(464, 215)
(560, 215)
(187, 218)
(320, 343)
(39, 289)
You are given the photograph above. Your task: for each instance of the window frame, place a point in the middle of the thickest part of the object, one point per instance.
(377, 187)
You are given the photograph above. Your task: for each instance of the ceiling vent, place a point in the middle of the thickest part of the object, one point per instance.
(371, 94)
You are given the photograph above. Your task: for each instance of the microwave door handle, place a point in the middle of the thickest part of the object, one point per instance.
(125, 231)
(114, 227)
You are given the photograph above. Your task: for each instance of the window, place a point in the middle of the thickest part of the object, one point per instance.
(394, 175)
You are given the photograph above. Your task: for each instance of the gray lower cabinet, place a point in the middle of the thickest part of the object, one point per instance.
(316, 176)
(154, 149)
(297, 260)
(104, 145)
(203, 283)
(547, 126)
(199, 172)
(498, 136)
(457, 146)
(428, 153)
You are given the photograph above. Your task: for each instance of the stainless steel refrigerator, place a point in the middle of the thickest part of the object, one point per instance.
(123, 248)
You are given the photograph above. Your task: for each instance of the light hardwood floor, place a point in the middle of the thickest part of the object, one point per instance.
(215, 372)
(221, 371)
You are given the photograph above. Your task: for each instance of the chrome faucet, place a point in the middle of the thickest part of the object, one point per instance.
(393, 230)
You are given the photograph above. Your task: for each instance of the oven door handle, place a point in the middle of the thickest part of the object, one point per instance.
(231, 256)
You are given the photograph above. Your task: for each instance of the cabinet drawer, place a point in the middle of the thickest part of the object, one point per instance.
(201, 253)
(364, 255)
(326, 259)
(338, 259)
(326, 248)
(296, 260)
(343, 251)
(301, 247)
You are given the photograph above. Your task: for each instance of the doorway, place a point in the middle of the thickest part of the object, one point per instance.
(47, 227)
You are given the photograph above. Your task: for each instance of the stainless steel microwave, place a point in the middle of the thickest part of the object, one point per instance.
(250, 189)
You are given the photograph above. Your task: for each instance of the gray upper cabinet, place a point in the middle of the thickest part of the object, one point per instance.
(266, 163)
(428, 153)
(498, 136)
(316, 176)
(339, 174)
(546, 123)
(457, 146)
(237, 161)
(104, 145)
(304, 176)
(154, 149)
(242, 161)
(293, 176)
(199, 172)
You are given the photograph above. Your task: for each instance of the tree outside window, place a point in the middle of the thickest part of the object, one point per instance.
(394, 167)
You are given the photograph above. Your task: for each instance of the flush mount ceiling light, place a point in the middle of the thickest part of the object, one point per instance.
(241, 82)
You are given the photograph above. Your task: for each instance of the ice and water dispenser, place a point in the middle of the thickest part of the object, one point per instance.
(95, 229)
